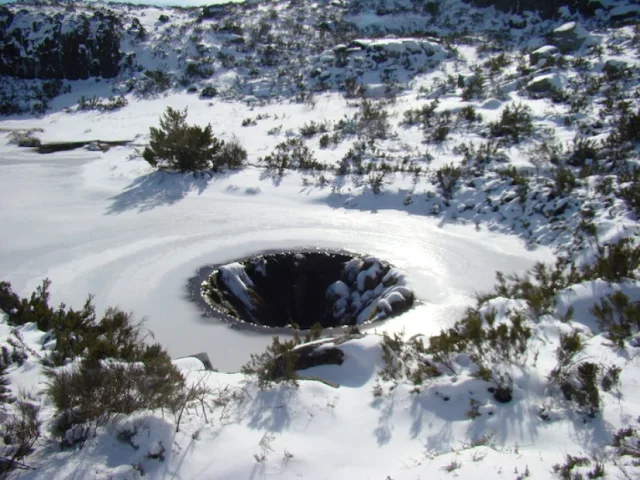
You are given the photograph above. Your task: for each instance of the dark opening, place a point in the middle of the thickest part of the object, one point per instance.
(307, 288)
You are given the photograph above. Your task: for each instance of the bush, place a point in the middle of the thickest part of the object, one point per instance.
(24, 139)
(179, 146)
(209, 92)
(447, 177)
(91, 392)
(275, 365)
(515, 123)
(292, 154)
(95, 103)
(618, 316)
(19, 432)
(564, 181)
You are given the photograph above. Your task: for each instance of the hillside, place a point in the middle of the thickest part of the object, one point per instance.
(434, 206)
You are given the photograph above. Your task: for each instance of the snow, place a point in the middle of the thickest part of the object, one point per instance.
(105, 223)
(99, 223)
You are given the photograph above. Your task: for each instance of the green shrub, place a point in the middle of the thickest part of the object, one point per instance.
(618, 316)
(179, 146)
(95, 103)
(292, 154)
(448, 177)
(614, 262)
(583, 149)
(154, 82)
(275, 365)
(564, 181)
(373, 121)
(474, 88)
(20, 431)
(564, 471)
(421, 116)
(515, 123)
(88, 394)
(312, 128)
(209, 92)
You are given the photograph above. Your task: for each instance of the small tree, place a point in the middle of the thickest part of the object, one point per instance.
(188, 148)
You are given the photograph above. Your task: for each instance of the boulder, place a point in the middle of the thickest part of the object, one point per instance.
(624, 14)
(544, 84)
(544, 56)
(568, 37)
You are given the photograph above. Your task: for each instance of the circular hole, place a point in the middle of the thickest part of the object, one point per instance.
(306, 289)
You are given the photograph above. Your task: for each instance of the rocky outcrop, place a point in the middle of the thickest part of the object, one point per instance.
(62, 46)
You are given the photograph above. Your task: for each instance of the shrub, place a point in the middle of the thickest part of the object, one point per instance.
(292, 154)
(19, 432)
(95, 103)
(447, 177)
(583, 149)
(564, 181)
(275, 365)
(179, 146)
(615, 262)
(515, 123)
(89, 393)
(422, 116)
(474, 88)
(24, 139)
(154, 82)
(209, 92)
(312, 128)
(373, 121)
(618, 317)
(564, 471)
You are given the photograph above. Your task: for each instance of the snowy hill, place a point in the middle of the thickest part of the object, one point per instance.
(476, 163)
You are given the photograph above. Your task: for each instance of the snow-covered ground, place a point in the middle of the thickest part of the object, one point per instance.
(99, 223)
(106, 223)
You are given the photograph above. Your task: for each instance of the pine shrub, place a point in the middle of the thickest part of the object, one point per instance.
(189, 148)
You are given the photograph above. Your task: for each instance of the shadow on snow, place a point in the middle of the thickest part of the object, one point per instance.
(159, 189)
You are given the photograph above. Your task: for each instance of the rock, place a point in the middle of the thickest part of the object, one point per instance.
(615, 69)
(544, 84)
(544, 56)
(307, 356)
(546, 8)
(624, 14)
(568, 37)
(203, 358)
(502, 394)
